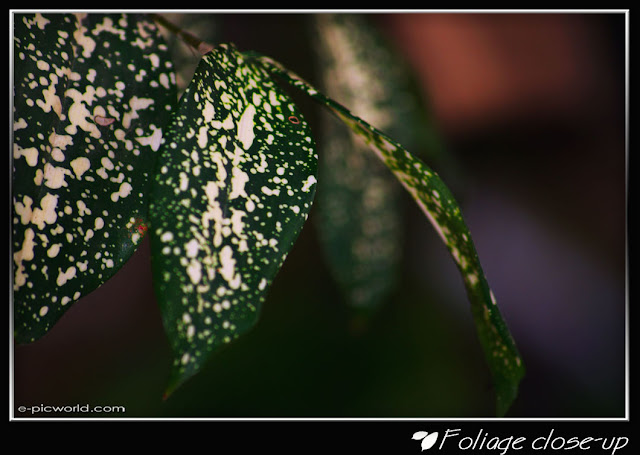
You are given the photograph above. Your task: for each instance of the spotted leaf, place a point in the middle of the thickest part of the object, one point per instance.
(91, 95)
(440, 207)
(236, 179)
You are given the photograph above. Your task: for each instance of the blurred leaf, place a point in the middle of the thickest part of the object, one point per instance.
(438, 204)
(235, 183)
(91, 95)
(358, 207)
(360, 68)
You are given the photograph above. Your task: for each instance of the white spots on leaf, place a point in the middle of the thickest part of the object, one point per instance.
(194, 270)
(154, 60)
(245, 127)
(238, 180)
(208, 113)
(124, 191)
(227, 124)
(269, 192)
(59, 142)
(61, 80)
(25, 254)
(202, 136)
(63, 277)
(54, 250)
(51, 100)
(154, 140)
(42, 65)
(46, 213)
(80, 166)
(135, 104)
(43, 310)
(107, 25)
(164, 80)
(273, 99)
(23, 209)
(19, 124)
(237, 225)
(228, 267)
(191, 248)
(229, 229)
(79, 114)
(38, 20)
(57, 155)
(307, 184)
(30, 154)
(184, 182)
(82, 208)
(227, 100)
(55, 176)
(86, 42)
(91, 75)
(98, 223)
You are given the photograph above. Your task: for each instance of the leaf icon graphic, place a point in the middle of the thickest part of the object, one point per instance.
(419, 435)
(429, 441)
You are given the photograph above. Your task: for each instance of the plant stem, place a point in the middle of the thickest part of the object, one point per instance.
(196, 43)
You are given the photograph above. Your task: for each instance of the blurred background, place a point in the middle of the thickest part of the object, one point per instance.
(531, 108)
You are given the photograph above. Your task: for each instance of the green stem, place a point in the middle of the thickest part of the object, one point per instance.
(196, 43)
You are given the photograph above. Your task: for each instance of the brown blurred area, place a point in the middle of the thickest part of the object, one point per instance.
(482, 68)
(543, 93)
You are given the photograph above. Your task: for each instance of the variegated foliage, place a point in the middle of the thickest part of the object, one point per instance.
(223, 180)
(91, 93)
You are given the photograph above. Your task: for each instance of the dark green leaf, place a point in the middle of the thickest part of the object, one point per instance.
(91, 95)
(235, 183)
(438, 204)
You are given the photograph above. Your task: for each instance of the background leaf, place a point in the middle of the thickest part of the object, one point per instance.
(359, 212)
(440, 207)
(91, 95)
(236, 181)
(358, 209)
